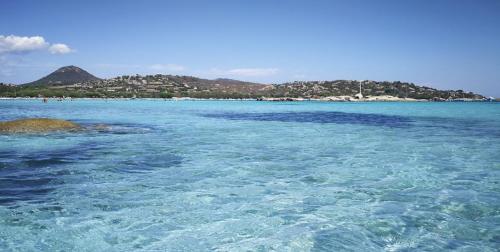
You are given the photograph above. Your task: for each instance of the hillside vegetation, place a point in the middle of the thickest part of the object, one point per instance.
(72, 81)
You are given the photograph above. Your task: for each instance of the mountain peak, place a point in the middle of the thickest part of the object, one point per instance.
(65, 75)
(70, 68)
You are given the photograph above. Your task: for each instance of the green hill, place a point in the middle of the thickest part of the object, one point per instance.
(65, 75)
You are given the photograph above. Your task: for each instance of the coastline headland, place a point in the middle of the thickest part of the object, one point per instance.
(72, 81)
(264, 99)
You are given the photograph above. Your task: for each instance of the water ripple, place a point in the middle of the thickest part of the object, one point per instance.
(320, 117)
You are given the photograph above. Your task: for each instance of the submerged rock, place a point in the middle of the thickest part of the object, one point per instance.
(37, 125)
(101, 127)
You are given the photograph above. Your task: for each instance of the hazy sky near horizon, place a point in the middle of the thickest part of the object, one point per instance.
(447, 44)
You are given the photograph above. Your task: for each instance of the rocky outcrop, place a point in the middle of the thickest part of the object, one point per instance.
(37, 125)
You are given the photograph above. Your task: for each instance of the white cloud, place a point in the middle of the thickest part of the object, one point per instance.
(253, 72)
(117, 66)
(246, 72)
(59, 49)
(17, 44)
(12, 49)
(299, 76)
(13, 44)
(167, 67)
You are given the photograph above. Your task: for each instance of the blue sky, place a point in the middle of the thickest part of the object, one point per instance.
(450, 44)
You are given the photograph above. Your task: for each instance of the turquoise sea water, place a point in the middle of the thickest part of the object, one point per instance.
(252, 176)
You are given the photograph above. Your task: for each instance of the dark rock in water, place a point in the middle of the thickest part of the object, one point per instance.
(37, 125)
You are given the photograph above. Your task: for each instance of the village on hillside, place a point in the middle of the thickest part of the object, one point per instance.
(74, 82)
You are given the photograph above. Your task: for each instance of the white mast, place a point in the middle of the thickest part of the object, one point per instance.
(359, 95)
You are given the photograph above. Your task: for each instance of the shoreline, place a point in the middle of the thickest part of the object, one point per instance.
(263, 99)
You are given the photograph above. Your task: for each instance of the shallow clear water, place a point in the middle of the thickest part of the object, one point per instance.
(257, 176)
